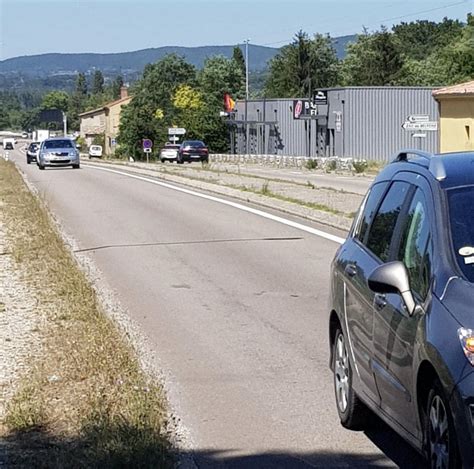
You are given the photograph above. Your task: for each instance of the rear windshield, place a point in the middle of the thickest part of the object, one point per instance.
(58, 144)
(194, 143)
(461, 216)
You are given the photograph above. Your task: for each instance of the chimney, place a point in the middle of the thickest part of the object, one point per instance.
(123, 92)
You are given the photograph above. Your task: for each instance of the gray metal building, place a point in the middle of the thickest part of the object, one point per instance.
(358, 122)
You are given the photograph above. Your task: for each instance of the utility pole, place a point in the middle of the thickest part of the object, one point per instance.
(246, 95)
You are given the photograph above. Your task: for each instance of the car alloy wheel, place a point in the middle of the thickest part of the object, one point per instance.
(353, 413)
(440, 437)
(341, 373)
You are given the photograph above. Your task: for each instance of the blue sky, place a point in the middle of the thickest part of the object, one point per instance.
(37, 26)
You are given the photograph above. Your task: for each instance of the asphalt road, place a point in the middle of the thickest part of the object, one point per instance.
(234, 306)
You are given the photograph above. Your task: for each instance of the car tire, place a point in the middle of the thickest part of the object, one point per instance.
(162, 160)
(205, 160)
(28, 160)
(41, 166)
(179, 160)
(76, 166)
(441, 446)
(353, 413)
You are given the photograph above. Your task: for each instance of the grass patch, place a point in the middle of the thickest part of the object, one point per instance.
(86, 401)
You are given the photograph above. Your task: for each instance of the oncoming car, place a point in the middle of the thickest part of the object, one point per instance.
(59, 151)
(95, 151)
(401, 324)
(32, 152)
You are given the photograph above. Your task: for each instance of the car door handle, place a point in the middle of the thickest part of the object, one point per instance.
(350, 270)
(380, 301)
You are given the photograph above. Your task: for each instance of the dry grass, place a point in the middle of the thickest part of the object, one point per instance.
(86, 402)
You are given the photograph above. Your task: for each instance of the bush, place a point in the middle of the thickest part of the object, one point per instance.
(311, 163)
(360, 166)
(331, 165)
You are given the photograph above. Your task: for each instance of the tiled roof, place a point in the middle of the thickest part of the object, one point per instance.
(105, 106)
(462, 89)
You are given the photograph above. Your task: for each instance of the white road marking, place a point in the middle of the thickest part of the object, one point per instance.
(260, 213)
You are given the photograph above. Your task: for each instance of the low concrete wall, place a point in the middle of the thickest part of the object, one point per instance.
(281, 161)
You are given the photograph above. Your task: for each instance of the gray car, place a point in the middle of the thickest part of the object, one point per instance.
(401, 320)
(59, 151)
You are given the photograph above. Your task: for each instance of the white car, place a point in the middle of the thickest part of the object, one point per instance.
(169, 153)
(95, 151)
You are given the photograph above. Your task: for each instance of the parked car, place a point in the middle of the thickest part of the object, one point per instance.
(401, 323)
(95, 151)
(32, 152)
(169, 152)
(59, 151)
(191, 150)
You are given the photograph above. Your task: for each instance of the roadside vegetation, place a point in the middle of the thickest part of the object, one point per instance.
(86, 401)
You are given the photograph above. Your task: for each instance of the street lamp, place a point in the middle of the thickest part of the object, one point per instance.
(246, 95)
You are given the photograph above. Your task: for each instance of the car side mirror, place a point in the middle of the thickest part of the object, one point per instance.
(78, 147)
(392, 277)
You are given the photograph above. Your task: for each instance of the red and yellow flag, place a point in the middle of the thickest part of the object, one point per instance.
(229, 103)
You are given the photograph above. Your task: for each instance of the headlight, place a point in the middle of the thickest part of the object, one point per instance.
(466, 336)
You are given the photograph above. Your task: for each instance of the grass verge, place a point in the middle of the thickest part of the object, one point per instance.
(86, 401)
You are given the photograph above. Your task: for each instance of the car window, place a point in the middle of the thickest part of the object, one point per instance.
(415, 247)
(461, 213)
(383, 226)
(368, 208)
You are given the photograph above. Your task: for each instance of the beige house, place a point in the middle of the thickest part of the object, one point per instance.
(456, 111)
(104, 121)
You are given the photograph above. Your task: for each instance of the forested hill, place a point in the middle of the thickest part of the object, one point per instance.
(47, 64)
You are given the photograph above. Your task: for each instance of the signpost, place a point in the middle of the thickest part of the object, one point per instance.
(147, 145)
(428, 126)
(176, 131)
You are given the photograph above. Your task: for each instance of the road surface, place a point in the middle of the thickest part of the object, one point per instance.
(234, 305)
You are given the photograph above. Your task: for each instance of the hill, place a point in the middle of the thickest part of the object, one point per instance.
(131, 62)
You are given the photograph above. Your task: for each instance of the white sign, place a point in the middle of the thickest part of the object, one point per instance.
(418, 118)
(173, 138)
(429, 126)
(176, 131)
(419, 135)
(147, 150)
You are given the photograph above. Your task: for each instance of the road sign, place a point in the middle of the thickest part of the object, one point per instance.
(173, 138)
(113, 142)
(147, 143)
(429, 126)
(419, 135)
(418, 118)
(176, 131)
(147, 150)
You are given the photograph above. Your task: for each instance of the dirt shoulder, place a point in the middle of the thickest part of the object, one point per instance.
(73, 389)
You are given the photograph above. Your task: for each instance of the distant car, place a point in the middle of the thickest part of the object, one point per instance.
(95, 151)
(169, 152)
(193, 150)
(58, 151)
(32, 152)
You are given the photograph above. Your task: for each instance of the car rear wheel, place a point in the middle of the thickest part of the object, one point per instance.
(179, 160)
(40, 166)
(76, 166)
(440, 437)
(28, 160)
(352, 411)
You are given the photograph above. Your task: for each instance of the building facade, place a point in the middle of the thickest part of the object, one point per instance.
(357, 122)
(456, 109)
(104, 121)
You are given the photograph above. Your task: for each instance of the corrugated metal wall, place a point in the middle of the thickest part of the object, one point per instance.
(373, 119)
(361, 123)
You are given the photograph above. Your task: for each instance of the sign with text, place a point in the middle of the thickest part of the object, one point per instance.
(428, 126)
(306, 109)
(176, 131)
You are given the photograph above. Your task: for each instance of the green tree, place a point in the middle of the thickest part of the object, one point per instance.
(98, 83)
(373, 60)
(116, 85)
(303, 66)
(151, 111)
(81, 85)
(56, 100)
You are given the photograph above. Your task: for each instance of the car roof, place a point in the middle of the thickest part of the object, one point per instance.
(448, 169)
